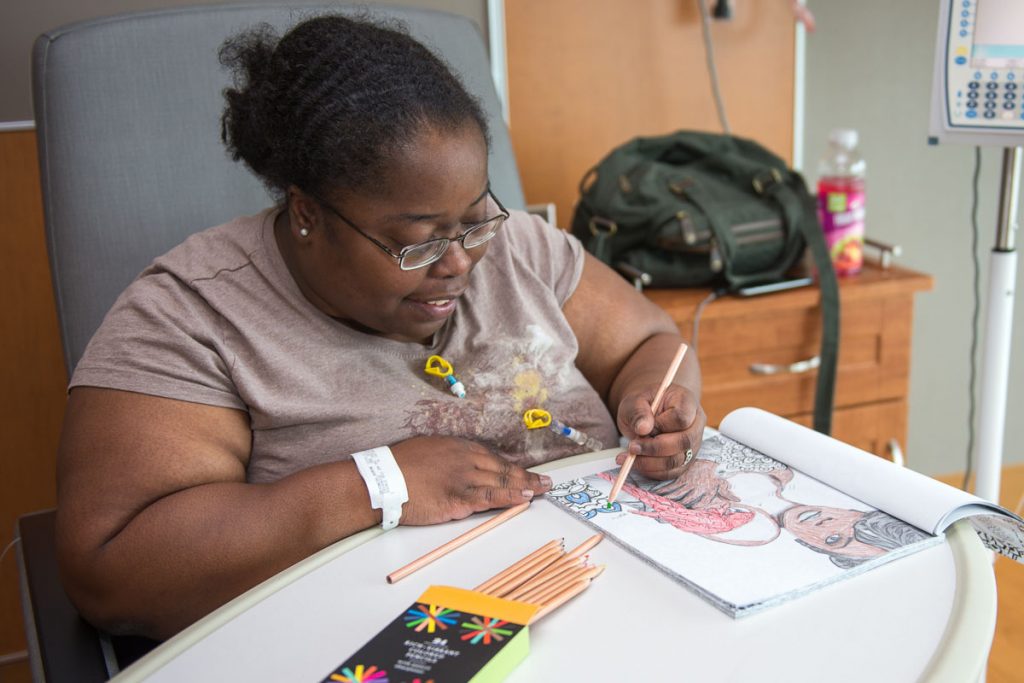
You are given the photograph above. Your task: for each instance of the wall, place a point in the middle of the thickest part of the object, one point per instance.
(869, 66)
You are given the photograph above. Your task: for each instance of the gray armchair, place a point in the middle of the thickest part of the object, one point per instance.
(127, 113)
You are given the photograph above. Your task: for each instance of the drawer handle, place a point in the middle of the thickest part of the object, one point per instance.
(796, 368)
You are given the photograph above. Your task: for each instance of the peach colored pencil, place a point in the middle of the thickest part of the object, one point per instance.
(505, 573)
(627, 465)
(572, 554)
(536, 581)
(516, 579)
(589, 572)
(586, 545)
(565, 596)
(456, 542)
(503, 591)
(553, 587)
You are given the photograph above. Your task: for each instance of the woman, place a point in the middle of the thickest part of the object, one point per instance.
(848, 537)
(220, 420)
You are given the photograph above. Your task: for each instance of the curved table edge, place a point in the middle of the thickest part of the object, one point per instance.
(961, 656)
(963, 653)
(176, 645)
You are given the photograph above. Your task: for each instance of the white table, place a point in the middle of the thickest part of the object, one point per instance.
(930, 616)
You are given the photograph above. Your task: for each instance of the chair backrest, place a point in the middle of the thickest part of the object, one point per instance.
(128, 120)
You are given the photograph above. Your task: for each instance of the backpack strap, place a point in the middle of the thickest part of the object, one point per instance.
(796, 204)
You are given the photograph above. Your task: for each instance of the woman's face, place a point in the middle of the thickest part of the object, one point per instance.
(436, 187)
(828, 529)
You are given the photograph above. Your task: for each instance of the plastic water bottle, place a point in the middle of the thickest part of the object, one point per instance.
(841, 200)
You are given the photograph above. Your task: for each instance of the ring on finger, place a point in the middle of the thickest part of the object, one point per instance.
(689, 457)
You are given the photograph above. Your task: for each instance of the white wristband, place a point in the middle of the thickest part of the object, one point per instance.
(384, 481)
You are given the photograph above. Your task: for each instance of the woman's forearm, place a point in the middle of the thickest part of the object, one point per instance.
(189, 552)
(647, 366)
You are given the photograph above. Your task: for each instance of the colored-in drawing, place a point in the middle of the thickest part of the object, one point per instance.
(696, 521)
(361, 674)
(583, 499)
(738, 525)
(430, 618)
(484, 630)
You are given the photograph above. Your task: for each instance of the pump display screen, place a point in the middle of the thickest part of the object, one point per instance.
(998, 35)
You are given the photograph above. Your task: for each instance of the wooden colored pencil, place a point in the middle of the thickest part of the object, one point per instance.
(627, 465)
(546, 591)
(483, 587)
(560, 563)
(565, 596)
(516, 579)
(569, 556)
(456, 542)
(536, 581)
(550, 591)
(586, 545)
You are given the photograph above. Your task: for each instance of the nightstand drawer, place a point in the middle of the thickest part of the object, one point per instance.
(784, 329)
(872, 357)
(873, 428)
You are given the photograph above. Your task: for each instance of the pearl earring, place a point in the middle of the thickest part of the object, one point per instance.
(304, 232)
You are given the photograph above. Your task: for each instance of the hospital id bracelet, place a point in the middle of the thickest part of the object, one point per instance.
(384, 481)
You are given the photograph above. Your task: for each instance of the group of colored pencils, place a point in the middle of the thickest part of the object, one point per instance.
(549, 576)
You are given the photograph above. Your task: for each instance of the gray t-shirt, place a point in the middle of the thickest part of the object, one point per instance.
(219, 320)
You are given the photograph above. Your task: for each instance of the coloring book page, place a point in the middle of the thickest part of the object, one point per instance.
(741, 529)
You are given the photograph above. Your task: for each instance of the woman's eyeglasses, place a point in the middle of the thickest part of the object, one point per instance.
(424, 253)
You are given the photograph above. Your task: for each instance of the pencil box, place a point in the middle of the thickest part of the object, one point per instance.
(447, 635)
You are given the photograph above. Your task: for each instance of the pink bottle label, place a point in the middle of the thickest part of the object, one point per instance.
(841, 214)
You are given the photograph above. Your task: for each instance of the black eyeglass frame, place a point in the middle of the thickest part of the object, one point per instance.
(401, 255)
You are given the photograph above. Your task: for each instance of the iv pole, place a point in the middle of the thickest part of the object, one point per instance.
(995, 369)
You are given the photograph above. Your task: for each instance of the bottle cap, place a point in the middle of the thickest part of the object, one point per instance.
(844, 137)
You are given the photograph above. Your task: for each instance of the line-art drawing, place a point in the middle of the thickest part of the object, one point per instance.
(739, 527)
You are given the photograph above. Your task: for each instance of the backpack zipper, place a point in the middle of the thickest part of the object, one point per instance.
(715, 256)
(688, 229)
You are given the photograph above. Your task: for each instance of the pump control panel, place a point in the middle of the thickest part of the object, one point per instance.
(978, 85)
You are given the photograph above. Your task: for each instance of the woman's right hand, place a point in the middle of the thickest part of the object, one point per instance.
(451, 478)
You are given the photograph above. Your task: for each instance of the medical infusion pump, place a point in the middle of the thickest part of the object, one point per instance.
(978, 84)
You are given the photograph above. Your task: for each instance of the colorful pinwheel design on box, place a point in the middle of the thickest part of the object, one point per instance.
(430, 618)
(484, 630)
(360, 674)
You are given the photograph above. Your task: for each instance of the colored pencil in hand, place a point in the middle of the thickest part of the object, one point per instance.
(627, 465)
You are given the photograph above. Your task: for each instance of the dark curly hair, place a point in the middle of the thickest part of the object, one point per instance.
(331, 102)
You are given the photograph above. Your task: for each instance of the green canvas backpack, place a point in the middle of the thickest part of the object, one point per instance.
(702, 209)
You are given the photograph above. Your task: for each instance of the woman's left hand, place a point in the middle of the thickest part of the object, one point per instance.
(661, 442)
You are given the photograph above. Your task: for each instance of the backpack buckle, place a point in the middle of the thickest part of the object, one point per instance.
(597, 223)
(766, 180)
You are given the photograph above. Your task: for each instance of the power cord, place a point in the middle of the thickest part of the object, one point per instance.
(7, 549)
(974, 320)
(695, 337)
(709, 55)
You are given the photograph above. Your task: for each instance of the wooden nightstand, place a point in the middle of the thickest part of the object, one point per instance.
(784, 328)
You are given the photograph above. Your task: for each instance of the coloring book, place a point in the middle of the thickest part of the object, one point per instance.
(769, 510)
